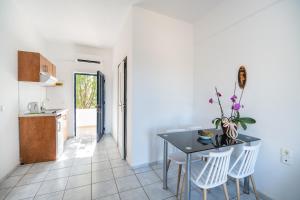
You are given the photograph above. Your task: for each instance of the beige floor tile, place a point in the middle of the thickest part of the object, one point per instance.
(53, 186)
(80, 193)
(79, 180)
(103, 189)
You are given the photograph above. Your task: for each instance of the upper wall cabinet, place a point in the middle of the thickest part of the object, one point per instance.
(31, 64)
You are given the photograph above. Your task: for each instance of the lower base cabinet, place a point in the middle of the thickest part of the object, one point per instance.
(37, 139)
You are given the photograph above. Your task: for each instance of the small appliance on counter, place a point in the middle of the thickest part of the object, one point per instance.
(34, 107)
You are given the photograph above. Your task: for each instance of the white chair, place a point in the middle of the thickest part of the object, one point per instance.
(211, 173)
(243, 167)
(178, 157)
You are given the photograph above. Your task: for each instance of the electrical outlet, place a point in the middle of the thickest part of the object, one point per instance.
(286, 156)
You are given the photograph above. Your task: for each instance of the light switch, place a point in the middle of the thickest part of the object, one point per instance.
(286, 156)
(2, 108)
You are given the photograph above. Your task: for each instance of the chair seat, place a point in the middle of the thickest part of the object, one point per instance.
(179, 157)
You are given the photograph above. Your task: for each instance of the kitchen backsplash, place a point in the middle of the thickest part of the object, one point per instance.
(30, 92)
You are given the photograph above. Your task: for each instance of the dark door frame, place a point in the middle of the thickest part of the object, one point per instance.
(125, 106)
(79, 73)
(100, 105)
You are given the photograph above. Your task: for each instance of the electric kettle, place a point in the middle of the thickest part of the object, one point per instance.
(33, 107)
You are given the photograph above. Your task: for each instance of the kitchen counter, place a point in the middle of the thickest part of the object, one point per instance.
(47, 113)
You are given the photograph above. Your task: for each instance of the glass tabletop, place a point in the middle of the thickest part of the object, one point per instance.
(190, 141)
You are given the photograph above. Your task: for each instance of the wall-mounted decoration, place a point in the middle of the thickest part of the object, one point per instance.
(242, 77)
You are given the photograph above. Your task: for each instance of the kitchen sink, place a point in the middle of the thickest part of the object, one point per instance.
(47, 111)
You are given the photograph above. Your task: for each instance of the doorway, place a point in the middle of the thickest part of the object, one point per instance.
(89, 106)
(122, 108)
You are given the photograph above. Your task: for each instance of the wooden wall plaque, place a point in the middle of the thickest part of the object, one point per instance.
(242, 77)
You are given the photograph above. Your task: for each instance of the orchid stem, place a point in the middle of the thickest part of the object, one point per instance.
(233, 102)
(222, 113)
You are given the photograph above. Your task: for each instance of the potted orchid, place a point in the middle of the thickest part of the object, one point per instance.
(230, 124)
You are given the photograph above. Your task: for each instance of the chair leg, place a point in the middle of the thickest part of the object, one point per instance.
(178, 179)
(182, 185)
(238, 189)
(168, 164)
(254, 187)
(204, 194)
(225, 191)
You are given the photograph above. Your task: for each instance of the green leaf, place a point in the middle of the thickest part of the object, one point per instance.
(247, 120)
(86, 91)
(214, 120)
(218, 122)
(238, 114)
(235, 120)
(244, 126)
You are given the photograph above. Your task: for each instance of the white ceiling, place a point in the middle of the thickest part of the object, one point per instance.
(187, 10)
(88, 22)
(98, 22)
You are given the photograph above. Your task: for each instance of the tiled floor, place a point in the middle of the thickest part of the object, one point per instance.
(83, 131)
(88, 170)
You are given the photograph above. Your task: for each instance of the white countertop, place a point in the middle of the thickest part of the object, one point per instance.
(46, 114)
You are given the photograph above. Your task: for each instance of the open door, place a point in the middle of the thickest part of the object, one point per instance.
(85, 104)
(122, 109)
(100, 105)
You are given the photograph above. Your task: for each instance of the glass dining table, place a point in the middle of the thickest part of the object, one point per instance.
(189, 142)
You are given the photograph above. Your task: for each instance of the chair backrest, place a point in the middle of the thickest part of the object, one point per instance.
(214, 172)
(245, 163)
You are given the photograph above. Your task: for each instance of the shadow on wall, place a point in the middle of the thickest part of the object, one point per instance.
(157, 146)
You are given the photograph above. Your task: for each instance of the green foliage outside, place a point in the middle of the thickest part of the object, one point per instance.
(86, 86)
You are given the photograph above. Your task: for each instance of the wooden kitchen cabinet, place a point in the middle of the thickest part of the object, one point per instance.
(31, 64)
(42, 136)
(53, 70)
(44, 65)
(37, 139)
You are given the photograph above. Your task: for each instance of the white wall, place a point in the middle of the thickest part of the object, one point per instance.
(160, 53)
(86, 117)
(264, 36)
(122, 49)
(63, 55)
(162, 80)
(16, 34)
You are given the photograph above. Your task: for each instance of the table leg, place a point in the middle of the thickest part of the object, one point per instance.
(188, 177)
(165, 173)
(246, 185)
